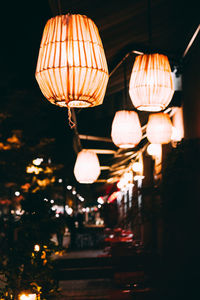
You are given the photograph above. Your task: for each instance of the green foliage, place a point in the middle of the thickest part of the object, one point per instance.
(20, 264)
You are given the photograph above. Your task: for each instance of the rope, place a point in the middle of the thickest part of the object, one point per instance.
(71, 123)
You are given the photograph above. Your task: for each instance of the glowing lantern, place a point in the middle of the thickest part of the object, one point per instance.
(154, 149)
(87, 167)
(28, 297)
(72, 69)
(137, 167)
(159, 128)
(37, 248)
(151, 86)
(126, 129)
(178, 127)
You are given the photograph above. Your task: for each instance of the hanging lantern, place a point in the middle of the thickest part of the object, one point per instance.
(137, 167)
(72, 69)
(154, 150)
(178, 125)
(126, 129)
(151, 86)
(87, 167)
(159, 128)
(28, 297)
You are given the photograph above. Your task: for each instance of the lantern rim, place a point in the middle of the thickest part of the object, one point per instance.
(151, 107)
(79, 103)
(126, 145)
(72, 103)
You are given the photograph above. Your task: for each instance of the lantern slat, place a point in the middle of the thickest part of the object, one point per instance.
(72, 68)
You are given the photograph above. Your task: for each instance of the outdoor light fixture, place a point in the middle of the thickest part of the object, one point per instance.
(159, 128)
(37, 248)
(28, 297)
(137, 167)
(126, 129)
(87, 167)
(37, 161)
(71, 68)
(151, 86)
(154, 150)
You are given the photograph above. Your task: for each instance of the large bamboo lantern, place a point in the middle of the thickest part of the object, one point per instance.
(126, 129)
(72, 69)
(159, 128)
(87, 167)
(151, 86)
(178, 125)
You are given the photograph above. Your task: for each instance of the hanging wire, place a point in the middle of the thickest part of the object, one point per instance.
(71, 123)
(123, 59)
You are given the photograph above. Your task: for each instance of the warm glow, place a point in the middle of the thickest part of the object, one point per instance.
(154, 149)
(159, 128)
(72, 68)
(69, 210)
(125, 180)
(100, 200)
(113, 197)
(87, 167)
(33, 169)
(27, 297)
(138, 177)
(178, 125)
(137, 167)
(126, 130)
(37, 248)
(151, 86)
(37, 161)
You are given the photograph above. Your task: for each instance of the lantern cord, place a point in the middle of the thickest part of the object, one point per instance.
(71, 123)
(123, 59)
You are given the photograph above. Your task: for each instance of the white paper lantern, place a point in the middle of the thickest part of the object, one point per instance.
(154, 149)
(151, 86)
(126, 129)
(159, 128)
(87, 167)
(71, 68)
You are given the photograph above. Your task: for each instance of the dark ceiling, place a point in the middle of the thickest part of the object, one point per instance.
(123, 25)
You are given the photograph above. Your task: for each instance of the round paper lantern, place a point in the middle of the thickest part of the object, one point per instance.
(154, 149)
(137, 167)
(72, 69)
(159, 128)
(178, 125)
(126, 129)
(87, 167)
(151, 86)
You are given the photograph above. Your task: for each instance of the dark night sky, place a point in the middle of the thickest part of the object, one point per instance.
(20, 93)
